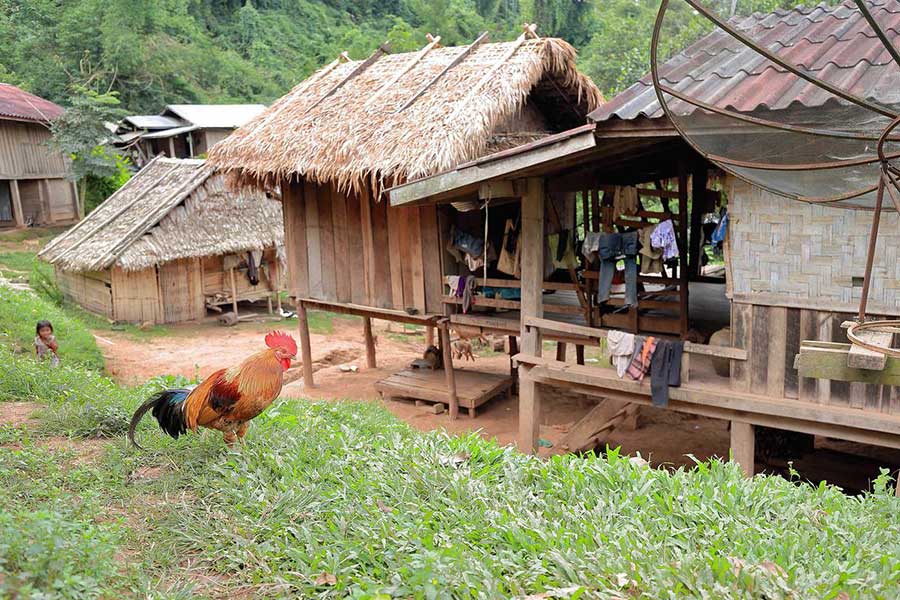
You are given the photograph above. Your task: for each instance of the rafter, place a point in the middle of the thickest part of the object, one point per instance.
(434, 42)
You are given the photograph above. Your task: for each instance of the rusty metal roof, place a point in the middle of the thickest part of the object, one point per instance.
(20, 105)
(834, 43)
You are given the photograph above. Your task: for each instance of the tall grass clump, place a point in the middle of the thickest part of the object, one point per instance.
(20, 311)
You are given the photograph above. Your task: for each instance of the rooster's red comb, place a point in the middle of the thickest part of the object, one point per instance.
(279, 339)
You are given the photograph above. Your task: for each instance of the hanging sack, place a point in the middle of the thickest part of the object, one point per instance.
(509, 255)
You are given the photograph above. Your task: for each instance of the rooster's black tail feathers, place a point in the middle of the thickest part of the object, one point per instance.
(167, 409)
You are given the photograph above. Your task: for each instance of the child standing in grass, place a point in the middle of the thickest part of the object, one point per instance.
(45, 346)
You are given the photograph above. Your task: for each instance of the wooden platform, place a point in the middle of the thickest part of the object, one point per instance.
(473, 388)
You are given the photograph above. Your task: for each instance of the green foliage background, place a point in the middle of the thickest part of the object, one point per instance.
(157, 52)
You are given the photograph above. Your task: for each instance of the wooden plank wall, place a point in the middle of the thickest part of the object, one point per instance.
(24, 151)
(181, 290)
(61, 200)
(91, 290)
(772, 336)
(136, 296)
(349, 247)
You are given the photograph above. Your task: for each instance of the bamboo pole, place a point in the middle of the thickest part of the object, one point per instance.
(233, 292)
(453, 401)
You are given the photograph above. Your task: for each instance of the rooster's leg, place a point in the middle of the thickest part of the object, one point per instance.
(229, 437)
(242, 430)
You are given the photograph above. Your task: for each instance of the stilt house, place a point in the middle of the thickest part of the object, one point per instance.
(170, 245)
(33, 185)
(793, 271)
(355, 127)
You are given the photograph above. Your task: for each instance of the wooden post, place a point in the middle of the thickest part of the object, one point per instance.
(172, 147)
(305, 350)
(743, 446)
(370, 343)
(532, 244)
(453, 401)
(682, 236)
(513, 350)
(579, 354)
(685, 367)
(698, 204)
(429, 336)
(233, 292)
(269, 303)
(18, 213)
(561, 351)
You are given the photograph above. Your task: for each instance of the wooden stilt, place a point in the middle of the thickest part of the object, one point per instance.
(278, 301)
(743, 446)
(269, 303)
(429, 336)
(370, 343)
(561, 351)
(233, 292)
(18, 215)
(579, 354)
(305, 349)
(532, 243)
(453, 401)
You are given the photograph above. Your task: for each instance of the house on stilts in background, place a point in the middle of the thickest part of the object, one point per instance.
(793, 270)
(33, 185)
(170, 245)
(338, 139)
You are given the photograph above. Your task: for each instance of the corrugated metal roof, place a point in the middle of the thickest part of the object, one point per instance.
(216, 116)
(18, 104)
(165, 133)
(835, 44)
(153, 122)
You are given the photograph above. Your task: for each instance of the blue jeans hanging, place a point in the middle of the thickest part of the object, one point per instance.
(613, 245)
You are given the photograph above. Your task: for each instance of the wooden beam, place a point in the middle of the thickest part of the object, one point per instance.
(528, 33)
(384, 48)
(863, 358)
(434, 42)
(18, 213)
(747, 405)
(453, 183)
(830, 361)
(448, 371)
(305, 346)
(743, 446)
(386, 314)
(370, 343)
(461, 57)
(698, 202)
(532, 244)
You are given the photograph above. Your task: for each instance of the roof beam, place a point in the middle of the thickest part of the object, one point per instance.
(527, 33)
(434, 42)
(449, 184)
(462, 56)
(301, 88)
(384, 48)
(73, 230)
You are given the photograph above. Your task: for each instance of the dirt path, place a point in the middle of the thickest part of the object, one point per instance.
(194, 349)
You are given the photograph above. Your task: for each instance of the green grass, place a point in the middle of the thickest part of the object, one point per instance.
(348, 490)
(17, 263)
(20, 311)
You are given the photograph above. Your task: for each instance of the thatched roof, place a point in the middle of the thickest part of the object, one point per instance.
(170, 209)
(381, 119)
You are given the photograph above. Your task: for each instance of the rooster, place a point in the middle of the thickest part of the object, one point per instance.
(226, 400)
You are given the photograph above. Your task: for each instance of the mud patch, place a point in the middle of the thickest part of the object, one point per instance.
(18, 414)
(85, 451)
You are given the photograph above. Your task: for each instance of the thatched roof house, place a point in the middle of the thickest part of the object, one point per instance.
(403, 116)
(158, 249)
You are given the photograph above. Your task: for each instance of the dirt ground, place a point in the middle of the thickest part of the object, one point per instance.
(663, 437)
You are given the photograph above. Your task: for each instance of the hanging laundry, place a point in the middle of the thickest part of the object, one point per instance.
(468, 297)
(665, 370)
(464, 242)
(663, 237)
(625, 201)
(651, 258)
(620, 346)
(474, 262)
(509, 253)
(453, 284)
(562, 249)
(613, 245)
(640, 363)
(591, 245)
(718, 235)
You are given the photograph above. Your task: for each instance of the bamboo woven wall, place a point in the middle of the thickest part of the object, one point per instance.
(790, 253)
(92, 290)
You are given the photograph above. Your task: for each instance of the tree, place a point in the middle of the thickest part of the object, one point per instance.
(81, 134)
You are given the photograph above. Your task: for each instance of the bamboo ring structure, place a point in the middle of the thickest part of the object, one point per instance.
(888, 325)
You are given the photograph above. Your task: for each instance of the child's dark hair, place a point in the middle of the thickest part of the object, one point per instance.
(41, 324)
